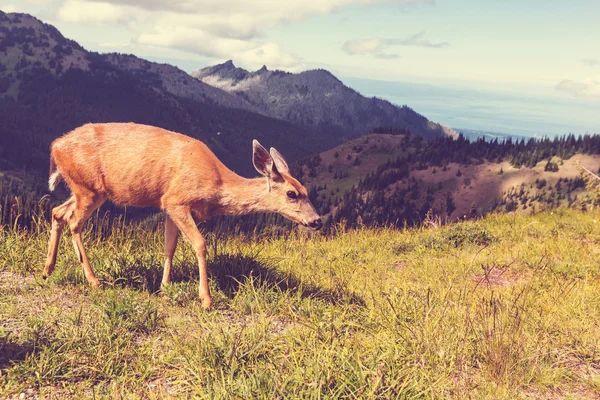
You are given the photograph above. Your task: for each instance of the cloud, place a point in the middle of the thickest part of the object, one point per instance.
(589, 87)
(114, 45)
(275, 10)
(90, 12)
(417, 40)
(591, 62)
(240, 18)
(377, 47)
(198, 41)
(372, 47)
(223, 29)
(8, 8)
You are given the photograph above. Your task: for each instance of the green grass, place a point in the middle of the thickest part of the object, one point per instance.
(500, 308)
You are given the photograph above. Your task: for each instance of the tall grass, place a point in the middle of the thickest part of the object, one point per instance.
(503, 307)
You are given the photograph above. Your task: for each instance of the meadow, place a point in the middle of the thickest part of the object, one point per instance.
(503, 307)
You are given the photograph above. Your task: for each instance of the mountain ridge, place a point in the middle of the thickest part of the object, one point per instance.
(316, 97)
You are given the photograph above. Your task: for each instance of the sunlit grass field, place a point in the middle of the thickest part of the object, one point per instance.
(501, 308)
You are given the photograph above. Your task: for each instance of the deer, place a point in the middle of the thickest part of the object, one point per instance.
(146, 166)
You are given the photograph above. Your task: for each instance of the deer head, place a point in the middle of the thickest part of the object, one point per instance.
(287, 196)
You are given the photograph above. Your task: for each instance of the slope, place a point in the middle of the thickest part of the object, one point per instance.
(391, 178)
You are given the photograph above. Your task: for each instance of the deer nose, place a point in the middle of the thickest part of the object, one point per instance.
(316, 224)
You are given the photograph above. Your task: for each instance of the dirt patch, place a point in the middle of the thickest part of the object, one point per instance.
(582, 370)
(497, 276)
(163, 386)
(400, 266)
(484, 183)
(570, 391)
(278, 326)
(8, 280)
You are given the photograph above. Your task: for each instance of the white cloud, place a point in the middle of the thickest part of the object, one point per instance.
(275, 11)
(245, 52)
(114, 45)
(8, 8)
(417, 40)
(589, 87)
(372, 47)
(80, 11)
(591, 62)
(270, 54)
(377, 46)
(215, 28)
(22, 5)
(236, 18)
(193, 40)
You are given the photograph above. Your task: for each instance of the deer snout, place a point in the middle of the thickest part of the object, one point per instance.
(316, 224)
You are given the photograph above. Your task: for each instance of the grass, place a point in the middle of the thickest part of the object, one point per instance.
(500, 308)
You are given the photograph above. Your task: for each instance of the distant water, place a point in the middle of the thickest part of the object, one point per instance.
(484, 112)
(473, 135)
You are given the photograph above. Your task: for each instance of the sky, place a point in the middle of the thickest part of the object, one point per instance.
(526, 66)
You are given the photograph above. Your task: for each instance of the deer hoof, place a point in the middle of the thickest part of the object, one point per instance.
(47, 272)
(206, 302)
(94, 283)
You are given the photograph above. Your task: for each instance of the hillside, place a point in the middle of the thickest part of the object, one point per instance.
(392, 178)
(316, 98)
(49, 85)
(500, 308)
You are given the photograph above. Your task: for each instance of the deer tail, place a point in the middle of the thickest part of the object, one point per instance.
(55, 175)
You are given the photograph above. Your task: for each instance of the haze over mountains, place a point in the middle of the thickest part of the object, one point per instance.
(513, 112)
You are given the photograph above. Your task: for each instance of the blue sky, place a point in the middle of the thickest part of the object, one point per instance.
(536, 62)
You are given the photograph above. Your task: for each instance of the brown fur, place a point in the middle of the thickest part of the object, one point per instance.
(140, 165)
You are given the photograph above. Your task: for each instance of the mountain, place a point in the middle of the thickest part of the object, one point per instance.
(177, 82)
(316, 98)
(50, 85)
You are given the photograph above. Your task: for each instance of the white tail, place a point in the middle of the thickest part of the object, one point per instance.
(54, 175)
(141, 165)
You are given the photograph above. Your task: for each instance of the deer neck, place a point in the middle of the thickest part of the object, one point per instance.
(240, 196)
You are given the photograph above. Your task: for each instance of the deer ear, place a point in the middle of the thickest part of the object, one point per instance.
(261, 159)
(279, 161)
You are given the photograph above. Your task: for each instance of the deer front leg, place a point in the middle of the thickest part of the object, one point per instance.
(171, 233)
(183, 219)
(58, 223)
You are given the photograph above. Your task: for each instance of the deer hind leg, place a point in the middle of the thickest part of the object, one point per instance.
(59, 215)
(171, 233)
(184, 221)
(85, 205)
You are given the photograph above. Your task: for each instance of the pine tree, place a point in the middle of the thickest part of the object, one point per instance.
(450, 206)
(473, 210)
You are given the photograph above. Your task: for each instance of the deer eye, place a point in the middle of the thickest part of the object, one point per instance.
(292, 195)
